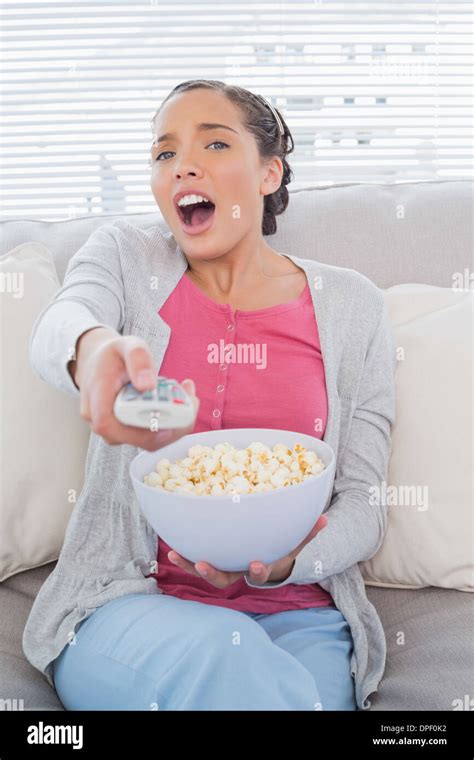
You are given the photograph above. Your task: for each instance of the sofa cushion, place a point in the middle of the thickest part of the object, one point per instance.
(20, 682)
(429, 483)
(430, 653)
(44, 439)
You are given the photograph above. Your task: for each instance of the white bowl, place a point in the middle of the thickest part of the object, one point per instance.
(226, 531)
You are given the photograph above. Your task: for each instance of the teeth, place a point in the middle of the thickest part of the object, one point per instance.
(186, 200)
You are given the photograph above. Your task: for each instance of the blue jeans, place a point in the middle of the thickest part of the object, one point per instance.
(159, 652)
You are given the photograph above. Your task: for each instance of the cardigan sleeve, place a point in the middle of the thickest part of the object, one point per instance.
(92, 295)
(357, 518)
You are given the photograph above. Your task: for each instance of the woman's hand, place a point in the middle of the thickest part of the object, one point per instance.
(103, 368)
(276, 571)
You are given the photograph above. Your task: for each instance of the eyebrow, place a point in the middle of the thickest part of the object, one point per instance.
(201, 128)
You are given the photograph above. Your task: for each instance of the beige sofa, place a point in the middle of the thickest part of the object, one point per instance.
(415, 232)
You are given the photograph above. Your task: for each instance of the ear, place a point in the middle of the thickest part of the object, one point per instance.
(272, 175)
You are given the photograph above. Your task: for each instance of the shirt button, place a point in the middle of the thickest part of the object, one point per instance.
(223, 366)
(216, 413)
(230, 327)
(220, 388)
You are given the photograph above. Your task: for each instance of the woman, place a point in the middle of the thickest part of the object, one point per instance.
(123, 621)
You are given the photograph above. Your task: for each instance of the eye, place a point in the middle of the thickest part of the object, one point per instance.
(216, 142)
(162, 154)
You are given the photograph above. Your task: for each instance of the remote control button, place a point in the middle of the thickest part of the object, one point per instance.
(178, 392)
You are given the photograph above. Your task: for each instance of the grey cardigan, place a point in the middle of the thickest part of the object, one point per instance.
(120, 278)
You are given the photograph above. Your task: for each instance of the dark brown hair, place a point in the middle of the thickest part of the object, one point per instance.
(260, 121)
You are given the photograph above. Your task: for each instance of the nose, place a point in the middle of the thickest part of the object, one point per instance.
(192, 171)
(186, 165)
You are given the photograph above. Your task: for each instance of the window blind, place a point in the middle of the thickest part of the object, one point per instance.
(372, 91)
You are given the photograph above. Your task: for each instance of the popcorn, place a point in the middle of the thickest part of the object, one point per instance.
(225, 470)
(154, 479)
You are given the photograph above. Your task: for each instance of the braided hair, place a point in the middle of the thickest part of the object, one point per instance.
(260, 121)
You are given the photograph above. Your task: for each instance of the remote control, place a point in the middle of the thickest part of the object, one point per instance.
(165, 406)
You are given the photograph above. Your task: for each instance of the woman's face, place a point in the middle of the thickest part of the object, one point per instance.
(219, 162)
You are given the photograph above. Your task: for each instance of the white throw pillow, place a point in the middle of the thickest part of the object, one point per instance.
(429, 539)
(43, 444)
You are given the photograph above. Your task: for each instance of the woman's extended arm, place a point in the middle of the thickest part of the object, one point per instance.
(76, 345)
(357, 520)
(91, 295)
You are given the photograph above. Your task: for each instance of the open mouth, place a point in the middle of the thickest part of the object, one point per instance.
(196, 214)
